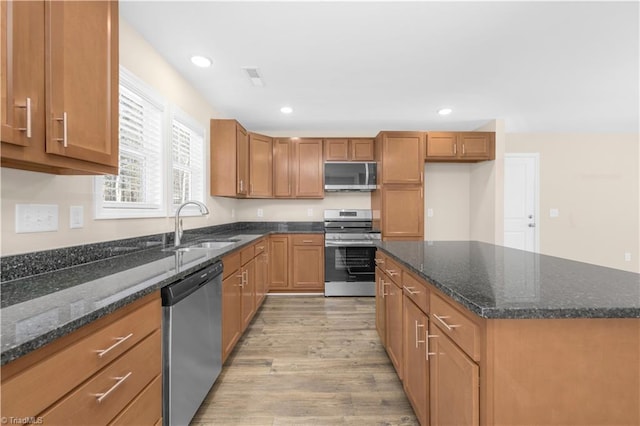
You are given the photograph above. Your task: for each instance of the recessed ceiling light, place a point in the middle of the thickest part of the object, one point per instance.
(445, 111)
(286, 110)
(201, 61)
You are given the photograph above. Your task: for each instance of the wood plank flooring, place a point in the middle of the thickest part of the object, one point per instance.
(308, 360)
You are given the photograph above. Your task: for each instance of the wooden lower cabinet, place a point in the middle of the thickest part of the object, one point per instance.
(381, 306)
(394, 326)
(61, 382)
(416, 361)
(262, 271)
(231, 304)
(296, 263)
(248, 285)
(454, 383)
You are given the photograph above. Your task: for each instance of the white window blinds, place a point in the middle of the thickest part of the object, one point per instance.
(187, 143)
(137, 190)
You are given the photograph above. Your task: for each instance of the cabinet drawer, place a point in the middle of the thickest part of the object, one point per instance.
(145, 409)
(461, 329)
(246, 254)
(230, 264)
(48, 380)
(392, 270)
(101, 398)
(308, 240)
(260, 247)
(416, 290)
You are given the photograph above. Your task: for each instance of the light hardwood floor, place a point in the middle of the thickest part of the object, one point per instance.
(308, 360)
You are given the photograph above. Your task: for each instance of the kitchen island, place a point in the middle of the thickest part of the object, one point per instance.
(510, 337)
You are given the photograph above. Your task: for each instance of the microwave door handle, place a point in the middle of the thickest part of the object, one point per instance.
(366, 174)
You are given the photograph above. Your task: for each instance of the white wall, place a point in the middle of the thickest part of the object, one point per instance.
(39, 188)
(446, 192)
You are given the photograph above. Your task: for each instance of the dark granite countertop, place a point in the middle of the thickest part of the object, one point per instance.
(498, 282)
(39, 308)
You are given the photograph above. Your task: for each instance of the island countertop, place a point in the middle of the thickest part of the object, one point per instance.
(499, 282)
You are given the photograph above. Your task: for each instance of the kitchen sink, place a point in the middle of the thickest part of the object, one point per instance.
(205, 245)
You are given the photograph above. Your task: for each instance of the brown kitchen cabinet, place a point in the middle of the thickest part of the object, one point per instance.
(298, 168)
(416, 362)
(260, 166)
(460, 146)
(307, 262)
(393, 313)
(343, 149)
(231, 303)
(72, 371)
(296, 263)
(229, 162)
(261, 271)
(402, 212)
(60, 86)
(381, 293)
(401, 157)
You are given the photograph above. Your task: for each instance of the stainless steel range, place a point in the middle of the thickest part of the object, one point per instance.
(349, 253)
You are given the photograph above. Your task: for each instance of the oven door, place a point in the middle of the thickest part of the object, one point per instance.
(346, 263)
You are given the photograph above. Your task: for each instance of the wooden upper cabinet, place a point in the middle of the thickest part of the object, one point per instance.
(229, 151)
(402, 212)
(402, 158)
(82, 69)
(282, 168)
(460, 146)
(67, 54)
(340, 149)
(260, 166)
(308, 167)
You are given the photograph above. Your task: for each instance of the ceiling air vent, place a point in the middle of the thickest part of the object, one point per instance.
(254, 76)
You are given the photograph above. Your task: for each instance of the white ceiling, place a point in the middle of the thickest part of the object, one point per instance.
(360, 67)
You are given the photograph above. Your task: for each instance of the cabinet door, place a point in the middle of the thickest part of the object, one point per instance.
(362, 150)
(282, 168)
(402, 212)
(454, 383)
(81, 69)
(402, 158)
(278, 262)
(381, 314)
(416, 365)
(22, 79)
(260, 166)
(336, 149)
(476, 145)
(307, 263)
(261, 278)
(248, 292)
(394, 326)
(442, 145)
(231, 312)
(242, 161)
(309, 174)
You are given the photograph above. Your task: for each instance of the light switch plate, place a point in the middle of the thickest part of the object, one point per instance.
(36, 218)
(429, 212)
(76, 217)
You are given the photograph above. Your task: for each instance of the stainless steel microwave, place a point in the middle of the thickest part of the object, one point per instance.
(349, 176)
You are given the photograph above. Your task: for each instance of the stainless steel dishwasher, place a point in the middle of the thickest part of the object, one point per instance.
(192, 342)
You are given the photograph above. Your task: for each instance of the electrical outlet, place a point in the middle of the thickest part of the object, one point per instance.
(310, 212)
(260, 213)
(554, 212)
(627, 257)
(233, 212)
(36, 218)
(429, 212)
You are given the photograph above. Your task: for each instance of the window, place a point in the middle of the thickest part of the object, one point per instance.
(187, 147)
(148, 185)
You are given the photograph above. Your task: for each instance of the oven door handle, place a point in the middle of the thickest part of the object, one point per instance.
(349, 244)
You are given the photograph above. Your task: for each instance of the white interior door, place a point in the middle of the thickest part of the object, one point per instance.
(521, 201)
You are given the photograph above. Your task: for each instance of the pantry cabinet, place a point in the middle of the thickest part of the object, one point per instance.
(67, 381)
(60, 86)
(343, 149)
(460, 146)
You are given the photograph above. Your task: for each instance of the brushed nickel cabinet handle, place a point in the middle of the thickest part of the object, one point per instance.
(119, 341)
(64, 138)
(410, 290)
(384, 284)
(455, 148)
(310, 241)
(462, 148)
(27, 128)
(449, 327)
(427, 337)
(120, 380)
(418, 334)
(391, 272)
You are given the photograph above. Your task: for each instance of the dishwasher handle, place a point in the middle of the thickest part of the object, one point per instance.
(175, 292)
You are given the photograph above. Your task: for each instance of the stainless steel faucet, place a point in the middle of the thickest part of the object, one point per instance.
(178, 229)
